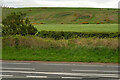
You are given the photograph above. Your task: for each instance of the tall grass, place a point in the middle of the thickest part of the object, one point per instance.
(34, 41)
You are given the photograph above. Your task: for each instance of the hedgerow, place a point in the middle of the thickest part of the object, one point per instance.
(68, 35)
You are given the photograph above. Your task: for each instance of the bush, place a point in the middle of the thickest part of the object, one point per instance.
(41, 23)
(68, 35)
(16, 23)
(85, 22)
(34, 23)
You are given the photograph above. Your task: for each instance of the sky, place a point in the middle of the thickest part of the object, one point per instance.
(61, 3)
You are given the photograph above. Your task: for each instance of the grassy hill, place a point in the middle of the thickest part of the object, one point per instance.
(67, 15)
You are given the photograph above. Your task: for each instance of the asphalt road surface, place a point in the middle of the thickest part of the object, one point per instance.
(58, 71)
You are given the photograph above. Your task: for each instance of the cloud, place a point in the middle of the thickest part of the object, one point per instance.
(62, 3)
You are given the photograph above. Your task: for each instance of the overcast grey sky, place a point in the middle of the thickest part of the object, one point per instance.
(62, 3)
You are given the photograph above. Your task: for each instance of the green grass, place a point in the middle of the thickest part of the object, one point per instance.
(78, 27)
(75, 50)
(73, 54)
(67, 15)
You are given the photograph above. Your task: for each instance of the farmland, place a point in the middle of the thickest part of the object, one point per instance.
(67, 15)
(63, 36)
(78, 27)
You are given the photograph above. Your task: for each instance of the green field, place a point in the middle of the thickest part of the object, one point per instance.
(67, 15)
(78, 27)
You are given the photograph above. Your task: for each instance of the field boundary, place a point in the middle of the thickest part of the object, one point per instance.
(70, 34)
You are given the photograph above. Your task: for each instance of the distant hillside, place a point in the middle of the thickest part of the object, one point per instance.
(67, 15)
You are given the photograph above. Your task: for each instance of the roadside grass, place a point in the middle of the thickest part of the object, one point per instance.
(73, 54)
(37, 42)
(71, 50)
(78, 27)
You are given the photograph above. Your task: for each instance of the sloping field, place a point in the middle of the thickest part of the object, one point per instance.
(67, 15)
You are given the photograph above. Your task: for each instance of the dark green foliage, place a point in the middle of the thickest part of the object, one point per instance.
(16, 23)
(68, 35)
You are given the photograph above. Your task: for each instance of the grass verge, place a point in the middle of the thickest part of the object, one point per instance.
(74, 54)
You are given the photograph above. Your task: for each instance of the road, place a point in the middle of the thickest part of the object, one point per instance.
(58, 71)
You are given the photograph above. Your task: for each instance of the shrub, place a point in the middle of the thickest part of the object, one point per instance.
(41, 23)
(34, 23)
(85, 22)
(16, 23)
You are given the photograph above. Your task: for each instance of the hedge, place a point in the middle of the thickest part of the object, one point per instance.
(68, 35)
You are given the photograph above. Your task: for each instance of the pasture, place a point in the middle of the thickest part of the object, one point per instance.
(78, 27)
(67, 15)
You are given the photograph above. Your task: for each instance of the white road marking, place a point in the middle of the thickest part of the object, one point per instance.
(68, 74)
(36, 76)
(6, 75)
(19, 68)
(15, 63)
(90, 65)
(71, 64)
(95, 71)
(113, 66)
(72, 77)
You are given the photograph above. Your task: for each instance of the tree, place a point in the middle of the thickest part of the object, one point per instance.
(17, 23)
